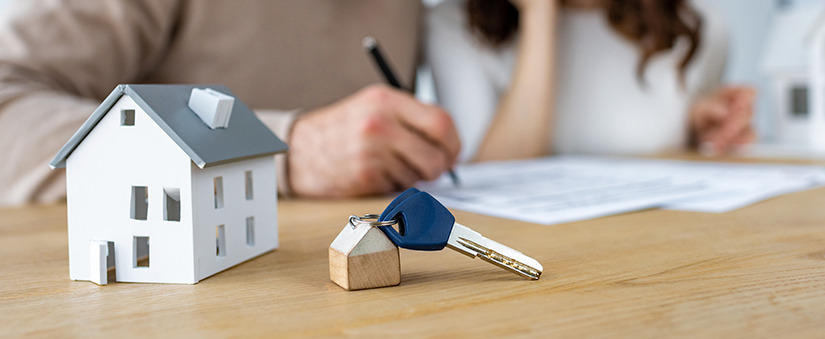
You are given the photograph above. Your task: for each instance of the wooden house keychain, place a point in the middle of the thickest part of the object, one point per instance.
(365, 253)
(363, 257)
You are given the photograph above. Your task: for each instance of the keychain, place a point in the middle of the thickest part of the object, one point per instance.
(423, 224)
(361, 256)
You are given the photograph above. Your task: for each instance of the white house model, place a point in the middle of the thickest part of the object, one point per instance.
(169, 184)
(794, 61)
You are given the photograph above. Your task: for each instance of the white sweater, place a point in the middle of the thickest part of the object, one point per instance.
(601, 107)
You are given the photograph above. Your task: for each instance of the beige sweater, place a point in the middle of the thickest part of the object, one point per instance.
(59, 59)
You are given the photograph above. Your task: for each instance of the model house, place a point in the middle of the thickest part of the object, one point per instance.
(169, 184)
(793, 61)
(361, 257)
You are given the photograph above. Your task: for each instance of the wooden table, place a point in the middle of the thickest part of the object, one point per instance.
(756, 271)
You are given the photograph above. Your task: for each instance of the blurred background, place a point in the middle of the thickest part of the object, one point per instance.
(755, 28)
(767, 51)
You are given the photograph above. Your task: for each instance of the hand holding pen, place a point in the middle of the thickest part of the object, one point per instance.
(371, 45)
(375, 141)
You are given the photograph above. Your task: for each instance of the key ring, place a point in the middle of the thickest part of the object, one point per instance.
(355, 220)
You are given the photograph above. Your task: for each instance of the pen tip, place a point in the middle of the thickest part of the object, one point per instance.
(454, 177)
(369, 42)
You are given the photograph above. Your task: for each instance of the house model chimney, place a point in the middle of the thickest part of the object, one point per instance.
(213, 107)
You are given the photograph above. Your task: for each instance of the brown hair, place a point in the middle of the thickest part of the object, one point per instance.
(653, 26)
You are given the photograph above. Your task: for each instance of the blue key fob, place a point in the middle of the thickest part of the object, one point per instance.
(423, 222)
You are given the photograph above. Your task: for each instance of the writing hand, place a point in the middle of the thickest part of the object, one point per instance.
(722, 121)
(375, 141)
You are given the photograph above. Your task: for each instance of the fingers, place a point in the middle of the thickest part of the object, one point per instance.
(412, 156)
(375, 141)
(372, 172)
(709, 112)
(735, 124)
(737, 129)
(745, 94)
(429, 161)
(431, 122)
(714, 145)
(723, 121)
(747, 136)
(400, 172)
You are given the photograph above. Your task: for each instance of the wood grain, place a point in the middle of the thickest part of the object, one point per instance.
(758, 271)
(363, 257)
(368, 270)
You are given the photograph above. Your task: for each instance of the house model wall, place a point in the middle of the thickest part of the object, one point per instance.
(159, 196)
(791, 59)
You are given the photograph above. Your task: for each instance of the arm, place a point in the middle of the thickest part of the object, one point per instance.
(281, 123)
(522, 124)
(720, 116)
(57, 61)
(464, 87)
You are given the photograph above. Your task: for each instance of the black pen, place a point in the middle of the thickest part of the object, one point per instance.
(371, 45)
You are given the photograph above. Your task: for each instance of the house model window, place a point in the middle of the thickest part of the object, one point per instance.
(127, 117)
(220, 241)
(248, 184)
(250, 231)
(799, 101)
(141, 252)
(171, 206)
(218, 182)
(140, 203)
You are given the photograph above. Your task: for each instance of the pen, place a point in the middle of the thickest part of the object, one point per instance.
(371, 45)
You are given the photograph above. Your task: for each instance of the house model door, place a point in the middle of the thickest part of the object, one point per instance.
(101, 258)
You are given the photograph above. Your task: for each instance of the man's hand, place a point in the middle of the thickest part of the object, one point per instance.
(375, 141)
(722, 120)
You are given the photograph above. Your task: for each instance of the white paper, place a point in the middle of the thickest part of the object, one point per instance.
(569, 188)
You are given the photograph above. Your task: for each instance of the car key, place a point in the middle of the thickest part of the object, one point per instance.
(425, 224)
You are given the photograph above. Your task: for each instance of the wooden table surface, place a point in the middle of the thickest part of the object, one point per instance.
(756, 271)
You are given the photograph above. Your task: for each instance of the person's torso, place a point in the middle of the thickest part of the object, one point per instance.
(284, 54)
(601, 106)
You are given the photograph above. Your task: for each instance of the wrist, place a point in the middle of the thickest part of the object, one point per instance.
(541, 10)
(537, 20)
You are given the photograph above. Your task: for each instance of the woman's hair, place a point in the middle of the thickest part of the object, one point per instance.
(653, 26)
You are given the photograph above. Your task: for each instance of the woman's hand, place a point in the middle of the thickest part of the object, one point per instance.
(721, 121)
(525, 6)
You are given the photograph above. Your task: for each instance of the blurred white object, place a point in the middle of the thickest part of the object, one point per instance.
(816, 94)
(793, 60)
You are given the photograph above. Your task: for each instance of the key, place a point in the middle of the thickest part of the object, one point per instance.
(425, 224)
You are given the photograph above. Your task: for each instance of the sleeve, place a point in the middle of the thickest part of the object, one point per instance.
(281, 122)
(58, 59)
(462, 87)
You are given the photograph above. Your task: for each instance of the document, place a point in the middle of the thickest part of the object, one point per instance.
(569, 188)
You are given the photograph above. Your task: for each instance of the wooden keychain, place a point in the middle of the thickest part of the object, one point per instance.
(362, 256)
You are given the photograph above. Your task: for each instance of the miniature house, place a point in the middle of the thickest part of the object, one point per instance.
(169, 184)
(793, 61)
(363, 257)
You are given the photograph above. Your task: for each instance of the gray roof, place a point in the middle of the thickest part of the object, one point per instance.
(167, 105)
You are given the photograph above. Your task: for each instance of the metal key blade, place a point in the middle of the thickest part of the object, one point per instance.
(473, 244)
